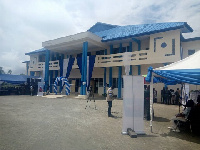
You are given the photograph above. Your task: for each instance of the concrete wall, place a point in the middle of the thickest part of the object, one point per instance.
(191, 45)
(158, 54)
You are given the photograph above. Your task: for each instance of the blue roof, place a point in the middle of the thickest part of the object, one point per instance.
(36, 51)
(15, 79)
(121, 32)
(101, 27)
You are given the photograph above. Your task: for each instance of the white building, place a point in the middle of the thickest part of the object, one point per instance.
(105, 45)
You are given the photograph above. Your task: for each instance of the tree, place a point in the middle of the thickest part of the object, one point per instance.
(9, 71)
(1, 70)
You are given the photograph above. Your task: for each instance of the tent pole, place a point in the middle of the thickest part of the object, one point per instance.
(151, 102)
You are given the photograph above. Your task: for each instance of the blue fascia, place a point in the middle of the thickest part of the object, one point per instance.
(188, 27)
(42, 50)
(190, 39)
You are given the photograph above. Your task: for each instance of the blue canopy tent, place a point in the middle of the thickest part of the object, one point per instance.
(15, 79)
(183, 71)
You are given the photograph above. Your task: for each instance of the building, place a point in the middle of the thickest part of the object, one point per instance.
(98, 56)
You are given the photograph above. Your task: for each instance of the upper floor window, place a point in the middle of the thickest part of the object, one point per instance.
(190, 52)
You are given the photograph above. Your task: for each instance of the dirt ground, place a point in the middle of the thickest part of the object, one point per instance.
(37, 123)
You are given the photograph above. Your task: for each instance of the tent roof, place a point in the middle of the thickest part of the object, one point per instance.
(183, 71)
(191, 62)
(15, 79)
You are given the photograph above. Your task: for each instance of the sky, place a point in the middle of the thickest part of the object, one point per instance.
(25, 24)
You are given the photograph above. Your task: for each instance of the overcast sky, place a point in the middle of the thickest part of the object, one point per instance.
(25, 24)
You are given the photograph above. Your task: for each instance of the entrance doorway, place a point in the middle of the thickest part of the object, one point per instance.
(94, 84)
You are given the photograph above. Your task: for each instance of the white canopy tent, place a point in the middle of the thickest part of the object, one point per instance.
(183, 71)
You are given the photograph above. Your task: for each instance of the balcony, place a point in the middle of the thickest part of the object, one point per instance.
(121, 59)
(132, 58)
(53, 65)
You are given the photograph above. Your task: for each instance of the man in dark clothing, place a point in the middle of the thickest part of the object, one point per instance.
(194, 117)
(109, 100)
(177, 93)
(166, 95)
(147, 103)
(163, 95)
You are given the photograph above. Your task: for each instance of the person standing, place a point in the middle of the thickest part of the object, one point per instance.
(177, 93)
(162, 95)
(31, 90)
(109, 100)
(147, 103)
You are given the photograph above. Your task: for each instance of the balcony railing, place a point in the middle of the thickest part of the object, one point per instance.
(53, 65)
(121, 59)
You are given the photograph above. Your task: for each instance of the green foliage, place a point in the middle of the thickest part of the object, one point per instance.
(9, 71)
(2, 71)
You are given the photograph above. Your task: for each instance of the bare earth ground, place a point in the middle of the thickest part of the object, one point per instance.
(37, 123)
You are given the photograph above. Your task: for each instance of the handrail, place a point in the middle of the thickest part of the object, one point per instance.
(53, 65)
(120, 59)
(136, 57)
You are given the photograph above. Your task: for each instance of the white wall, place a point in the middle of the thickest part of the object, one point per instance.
(192, 45)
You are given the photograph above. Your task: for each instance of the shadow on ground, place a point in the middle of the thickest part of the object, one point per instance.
(183, 135)
(160, 119)
(145, 135)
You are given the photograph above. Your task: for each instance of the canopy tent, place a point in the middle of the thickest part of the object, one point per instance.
(15, 79)
(183, 71)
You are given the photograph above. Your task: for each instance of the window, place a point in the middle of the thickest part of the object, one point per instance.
(115, 50)
(190, 52)
(124, 49)
(115, 83)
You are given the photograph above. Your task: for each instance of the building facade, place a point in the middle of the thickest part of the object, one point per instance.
(98, 56)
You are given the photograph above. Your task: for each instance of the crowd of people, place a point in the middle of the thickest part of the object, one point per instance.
(189, 117)
(170, 96)
(23, 89)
